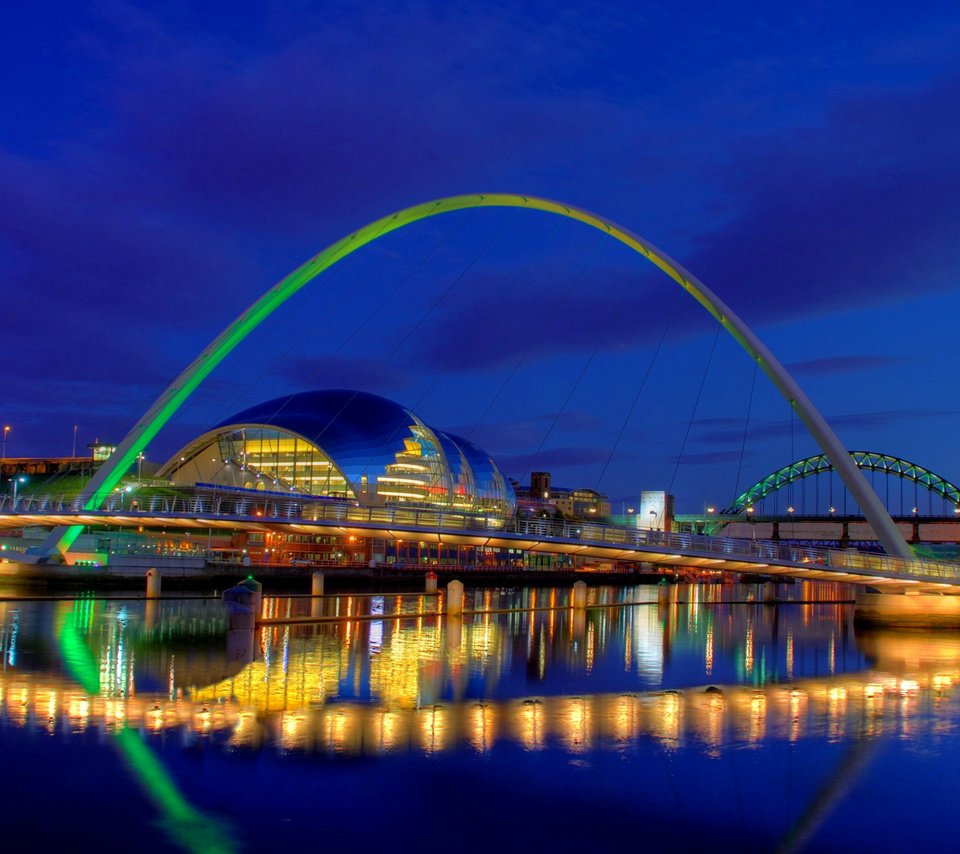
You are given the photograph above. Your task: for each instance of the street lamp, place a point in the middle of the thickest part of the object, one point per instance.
(139, 465)
(16, 481)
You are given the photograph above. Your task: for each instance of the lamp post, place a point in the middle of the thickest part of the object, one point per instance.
(16, 481)
(3, 456)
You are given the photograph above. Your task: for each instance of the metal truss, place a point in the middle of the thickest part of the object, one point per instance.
(865, 461)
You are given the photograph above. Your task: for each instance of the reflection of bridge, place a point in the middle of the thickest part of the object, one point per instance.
(226, 511)
(874, 703)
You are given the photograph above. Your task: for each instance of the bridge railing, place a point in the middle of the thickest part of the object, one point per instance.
(274, 508)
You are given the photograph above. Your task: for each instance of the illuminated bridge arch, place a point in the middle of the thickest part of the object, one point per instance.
(865, 461)
(110, 474)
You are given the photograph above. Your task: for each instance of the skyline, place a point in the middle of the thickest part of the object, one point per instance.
(165, 171)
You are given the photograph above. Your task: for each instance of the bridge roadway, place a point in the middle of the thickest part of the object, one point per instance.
(229, 511)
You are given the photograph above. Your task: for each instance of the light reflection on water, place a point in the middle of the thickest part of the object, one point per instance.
(392, 677)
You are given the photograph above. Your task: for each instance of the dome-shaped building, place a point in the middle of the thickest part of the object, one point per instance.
(344, 444)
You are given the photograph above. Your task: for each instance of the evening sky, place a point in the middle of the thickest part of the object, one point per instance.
(163, 165)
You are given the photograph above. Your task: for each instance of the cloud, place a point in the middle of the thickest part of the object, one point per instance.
(843, 364)
(848, 424)
(529, 431)
(550, 459)
(859, 209)
(353, 372)
(708, 458)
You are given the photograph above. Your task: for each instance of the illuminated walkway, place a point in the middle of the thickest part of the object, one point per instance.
(228, 511)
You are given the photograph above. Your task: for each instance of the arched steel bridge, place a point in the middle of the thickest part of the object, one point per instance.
(865, 461)
(111, 472)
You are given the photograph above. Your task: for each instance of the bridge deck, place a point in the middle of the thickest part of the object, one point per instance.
(604, 542)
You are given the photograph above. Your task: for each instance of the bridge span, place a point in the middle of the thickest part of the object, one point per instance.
(224, 511)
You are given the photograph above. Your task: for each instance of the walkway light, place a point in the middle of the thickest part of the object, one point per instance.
(750, 509)
(790, 509)
(833, 509)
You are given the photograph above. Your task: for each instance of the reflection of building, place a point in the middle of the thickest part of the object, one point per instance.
(347, 445)
(541, 496)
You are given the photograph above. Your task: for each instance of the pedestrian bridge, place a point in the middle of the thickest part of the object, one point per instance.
(254, 513)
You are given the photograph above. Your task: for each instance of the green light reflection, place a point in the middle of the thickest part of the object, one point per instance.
(186, 825)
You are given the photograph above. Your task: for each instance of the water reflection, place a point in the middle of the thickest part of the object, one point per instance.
(393, 675)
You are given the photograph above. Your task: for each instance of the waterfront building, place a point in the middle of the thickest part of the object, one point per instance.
(346, 445)
(542, 497)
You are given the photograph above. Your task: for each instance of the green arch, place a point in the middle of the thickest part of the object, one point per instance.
(865, 461)
(184, 385)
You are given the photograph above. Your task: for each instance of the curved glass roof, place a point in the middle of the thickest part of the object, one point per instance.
(359, 430)
(383, 451)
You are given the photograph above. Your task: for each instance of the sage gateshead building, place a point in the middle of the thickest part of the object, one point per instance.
(347, 445)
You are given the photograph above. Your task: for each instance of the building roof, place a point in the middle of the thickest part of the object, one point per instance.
(357, 429)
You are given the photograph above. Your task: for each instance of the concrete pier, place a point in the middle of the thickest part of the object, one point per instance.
(153, 583)
(455, 598)
(579, 596)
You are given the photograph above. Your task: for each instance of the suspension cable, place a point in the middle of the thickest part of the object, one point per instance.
(746, 427)
(557, 306)
(636, 397)
(696, 404)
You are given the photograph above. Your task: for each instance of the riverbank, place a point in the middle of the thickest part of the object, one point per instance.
(218, 576)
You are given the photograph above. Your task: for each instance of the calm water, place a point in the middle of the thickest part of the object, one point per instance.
(637, 725)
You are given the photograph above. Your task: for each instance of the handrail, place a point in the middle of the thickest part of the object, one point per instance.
(273, 509)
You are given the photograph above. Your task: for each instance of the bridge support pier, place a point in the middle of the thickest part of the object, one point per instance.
(908, 610)
(316, 593)
(769, 592)
(455, 599)
(153, 583)
(579, 597)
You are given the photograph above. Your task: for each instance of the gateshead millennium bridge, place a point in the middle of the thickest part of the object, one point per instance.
(898, 569)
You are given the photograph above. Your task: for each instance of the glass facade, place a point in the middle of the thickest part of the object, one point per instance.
(398, 460)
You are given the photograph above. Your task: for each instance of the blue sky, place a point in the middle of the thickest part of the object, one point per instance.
(163, 165)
